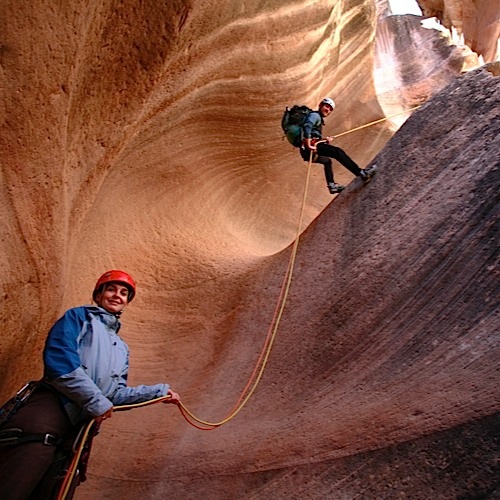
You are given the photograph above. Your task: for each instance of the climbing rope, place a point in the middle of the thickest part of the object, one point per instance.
(262, 360)
(247, 391)
(377, 121)
(82, 438)
(261, 363)
(271, 335)
(70, 473)
(254, 378)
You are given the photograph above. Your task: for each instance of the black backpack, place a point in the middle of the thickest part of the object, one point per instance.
(292, 121)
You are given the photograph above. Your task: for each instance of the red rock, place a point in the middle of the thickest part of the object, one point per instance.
(147, 138)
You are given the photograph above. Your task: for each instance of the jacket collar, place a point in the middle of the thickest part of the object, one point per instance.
(109, 319)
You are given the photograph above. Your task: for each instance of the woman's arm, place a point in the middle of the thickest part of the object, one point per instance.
(62, 364)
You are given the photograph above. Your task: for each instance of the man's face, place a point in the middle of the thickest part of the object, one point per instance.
(113, 298)
(325, 110)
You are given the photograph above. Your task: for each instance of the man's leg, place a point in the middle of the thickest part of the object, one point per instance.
(327, 167)
(340, 155)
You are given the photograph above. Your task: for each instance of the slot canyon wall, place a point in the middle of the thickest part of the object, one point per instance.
(146, 137)
(478, 22)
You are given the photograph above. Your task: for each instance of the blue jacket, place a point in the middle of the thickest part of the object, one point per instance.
(313, 125)
(87, 362)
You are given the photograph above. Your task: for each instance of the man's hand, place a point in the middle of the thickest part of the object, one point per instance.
(309, 144)
(174, 398)
(330, 138)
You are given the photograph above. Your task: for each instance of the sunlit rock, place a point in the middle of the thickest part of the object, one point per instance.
(478, 22)
(413, 62)
(145, 136)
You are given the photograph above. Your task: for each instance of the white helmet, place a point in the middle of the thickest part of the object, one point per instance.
(329, 101)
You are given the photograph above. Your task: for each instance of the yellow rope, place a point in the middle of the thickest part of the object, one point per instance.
(288, 277)
(278, 318)
(377, 121)
(70, 473)
(144, 403)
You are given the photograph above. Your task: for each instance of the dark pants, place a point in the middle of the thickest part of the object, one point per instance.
(23, 466)
(324, 153)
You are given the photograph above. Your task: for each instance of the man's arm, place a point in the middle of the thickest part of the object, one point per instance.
(311, 123)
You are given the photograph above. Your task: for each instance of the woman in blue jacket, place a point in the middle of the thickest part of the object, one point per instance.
(85, 375)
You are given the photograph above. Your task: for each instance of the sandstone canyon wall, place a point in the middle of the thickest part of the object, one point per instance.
(383, 382)
(146, 137)
(478, 22)
(111, 104)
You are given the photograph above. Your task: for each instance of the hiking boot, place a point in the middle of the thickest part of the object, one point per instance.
(334, 188)
(367, 173)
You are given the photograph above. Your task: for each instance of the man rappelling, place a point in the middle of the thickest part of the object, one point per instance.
(306, 134)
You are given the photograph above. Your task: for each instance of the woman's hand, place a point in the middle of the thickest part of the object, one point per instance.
(104, 416)
(174, 398)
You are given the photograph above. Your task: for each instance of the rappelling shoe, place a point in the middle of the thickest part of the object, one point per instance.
(367, 173)
(335, 188)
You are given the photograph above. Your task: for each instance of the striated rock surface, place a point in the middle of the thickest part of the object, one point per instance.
(478, 22)
(412, 63)
(146, 137)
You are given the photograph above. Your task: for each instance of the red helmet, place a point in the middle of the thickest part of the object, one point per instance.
(116, 277)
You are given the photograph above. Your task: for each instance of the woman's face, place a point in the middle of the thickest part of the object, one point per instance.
(113, 298)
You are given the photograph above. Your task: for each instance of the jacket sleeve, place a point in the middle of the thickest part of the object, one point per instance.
(138, 394)
(62, 364)
(312, 122)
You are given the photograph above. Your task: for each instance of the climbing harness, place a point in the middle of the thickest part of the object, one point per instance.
(18, 436)
(13, 404)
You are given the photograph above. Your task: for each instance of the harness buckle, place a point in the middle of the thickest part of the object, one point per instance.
(49, 440)
(18, 436)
